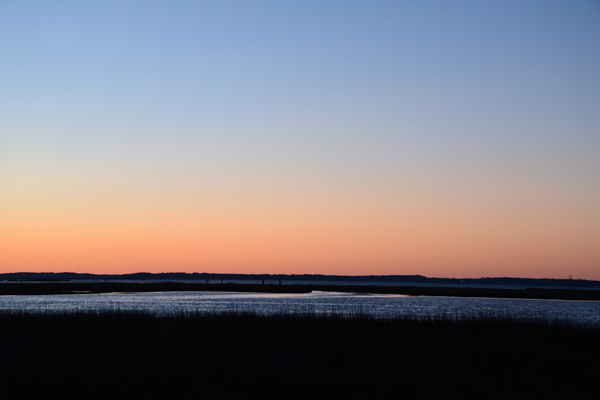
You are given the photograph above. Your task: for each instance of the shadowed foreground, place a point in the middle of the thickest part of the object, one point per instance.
(135, 355)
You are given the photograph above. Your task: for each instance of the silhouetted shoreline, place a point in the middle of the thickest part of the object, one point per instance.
(375, 280)
(48, 288)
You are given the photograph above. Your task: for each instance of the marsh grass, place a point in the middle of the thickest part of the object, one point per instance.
(135, 354)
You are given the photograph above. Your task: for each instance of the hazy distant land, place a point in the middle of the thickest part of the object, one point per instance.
(291, 278)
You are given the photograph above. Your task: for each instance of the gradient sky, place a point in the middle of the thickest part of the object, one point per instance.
(441, 138)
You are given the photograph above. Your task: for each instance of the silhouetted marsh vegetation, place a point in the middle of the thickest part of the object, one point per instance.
(240, 355)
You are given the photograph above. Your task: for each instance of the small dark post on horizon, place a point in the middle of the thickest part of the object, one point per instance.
(570, 284)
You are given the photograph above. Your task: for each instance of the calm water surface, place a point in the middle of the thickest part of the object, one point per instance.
(586, 312)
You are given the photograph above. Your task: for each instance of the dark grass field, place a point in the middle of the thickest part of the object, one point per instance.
(139, 356)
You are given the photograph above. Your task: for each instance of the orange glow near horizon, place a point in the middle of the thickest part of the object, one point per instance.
(359, 236)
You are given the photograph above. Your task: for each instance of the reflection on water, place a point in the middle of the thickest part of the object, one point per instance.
(587, 312)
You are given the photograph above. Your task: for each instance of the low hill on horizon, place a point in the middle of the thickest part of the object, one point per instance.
(406, 279)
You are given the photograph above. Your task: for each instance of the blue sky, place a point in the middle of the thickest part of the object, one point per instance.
(488, 105)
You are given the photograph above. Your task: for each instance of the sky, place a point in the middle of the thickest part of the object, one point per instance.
(446, 139)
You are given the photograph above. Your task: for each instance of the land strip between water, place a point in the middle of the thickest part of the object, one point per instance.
(49, 288)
